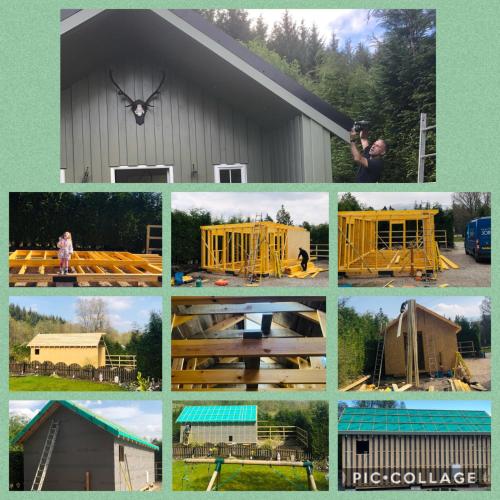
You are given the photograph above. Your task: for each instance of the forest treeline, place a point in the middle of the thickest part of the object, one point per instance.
(388, 82)
(359, 334)
(186, 233)
(92, 316)
(97, 221)
(464, 207)
(312, 416)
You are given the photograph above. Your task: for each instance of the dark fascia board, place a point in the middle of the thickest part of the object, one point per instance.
(312, 106)
(65, 13)
(267, 69)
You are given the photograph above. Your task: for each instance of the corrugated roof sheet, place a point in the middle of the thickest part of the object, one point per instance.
(110, 427)
(410, 421)
(217, 414)
(66, 340)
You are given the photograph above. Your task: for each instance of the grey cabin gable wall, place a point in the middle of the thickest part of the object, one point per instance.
(140, 462)
(186, 127)
(80, 447)
(299, 151)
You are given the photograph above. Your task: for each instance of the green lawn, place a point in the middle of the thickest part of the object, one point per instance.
(43, 383)
(195, 477)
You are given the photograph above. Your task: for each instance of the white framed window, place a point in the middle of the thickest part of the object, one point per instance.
(62, 175)
(230, 174)
(142, 173)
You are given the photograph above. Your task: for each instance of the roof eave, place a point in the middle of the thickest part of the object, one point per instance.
(174, 18)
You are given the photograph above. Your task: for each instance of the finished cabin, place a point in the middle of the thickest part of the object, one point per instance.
(218, 424)
(71, 348)
(403, 448)
(165, 96)
(262, 248)
(436, 341)
(68, 448)
(374, 242)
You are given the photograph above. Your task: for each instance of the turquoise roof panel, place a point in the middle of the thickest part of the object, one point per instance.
(412, 421)
(97, 420)
(217, 414)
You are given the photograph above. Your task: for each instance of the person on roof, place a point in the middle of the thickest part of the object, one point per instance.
(305, 258)
(371, 160)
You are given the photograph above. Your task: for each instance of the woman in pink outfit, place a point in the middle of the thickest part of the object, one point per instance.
(65, 245)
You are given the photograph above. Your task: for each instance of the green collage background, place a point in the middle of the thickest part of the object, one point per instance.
(468, 79)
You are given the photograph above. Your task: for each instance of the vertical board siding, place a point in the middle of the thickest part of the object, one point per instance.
(286, 163)
(186, 126)
(424, 455)
(317, 152)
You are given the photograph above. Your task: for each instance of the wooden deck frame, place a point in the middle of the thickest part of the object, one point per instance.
(219, 357)
(261, 248)
(87, 268)
(374, 242)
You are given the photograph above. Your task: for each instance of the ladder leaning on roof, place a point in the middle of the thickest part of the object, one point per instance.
(48, 448)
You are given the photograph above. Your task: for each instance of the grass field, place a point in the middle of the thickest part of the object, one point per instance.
(42, 383)
(195, 477)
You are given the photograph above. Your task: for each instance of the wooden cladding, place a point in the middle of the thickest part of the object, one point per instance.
(428, 457)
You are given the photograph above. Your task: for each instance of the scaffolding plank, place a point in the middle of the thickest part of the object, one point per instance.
(260, 308)
(235, 376)
(249, 347)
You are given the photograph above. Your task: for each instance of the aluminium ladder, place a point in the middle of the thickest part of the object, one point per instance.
(422, 155)
(379, 358)
(48, 448)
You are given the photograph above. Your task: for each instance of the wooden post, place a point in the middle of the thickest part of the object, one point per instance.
(87, 481)
(212, 480)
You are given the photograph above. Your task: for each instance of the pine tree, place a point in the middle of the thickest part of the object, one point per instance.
(259, 31)
(284, 217)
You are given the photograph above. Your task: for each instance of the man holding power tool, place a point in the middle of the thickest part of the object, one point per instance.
(371, 159)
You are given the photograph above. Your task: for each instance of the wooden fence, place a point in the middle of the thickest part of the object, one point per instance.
(105, 374)
(180, 451)
(320, 250)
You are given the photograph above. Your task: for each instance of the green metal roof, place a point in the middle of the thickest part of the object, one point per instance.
(407, 421)
(110, 427)
(217, 414)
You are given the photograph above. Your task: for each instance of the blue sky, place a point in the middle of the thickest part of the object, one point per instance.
(142, 418)
(448, 405)
(125, 313)
(446, 306)
(352, 24)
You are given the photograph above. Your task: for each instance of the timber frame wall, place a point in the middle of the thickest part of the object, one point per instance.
(395, 241)
(420, 454)
(256, 247)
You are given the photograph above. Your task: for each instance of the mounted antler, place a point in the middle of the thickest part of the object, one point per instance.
(139, 107)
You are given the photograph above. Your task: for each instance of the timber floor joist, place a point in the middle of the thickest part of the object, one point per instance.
(40, 268)
(220, 357)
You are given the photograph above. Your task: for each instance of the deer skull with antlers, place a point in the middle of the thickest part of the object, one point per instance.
(139, 107)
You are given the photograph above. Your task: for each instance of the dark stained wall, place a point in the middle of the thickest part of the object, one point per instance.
(80, 447)
(419, 454)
